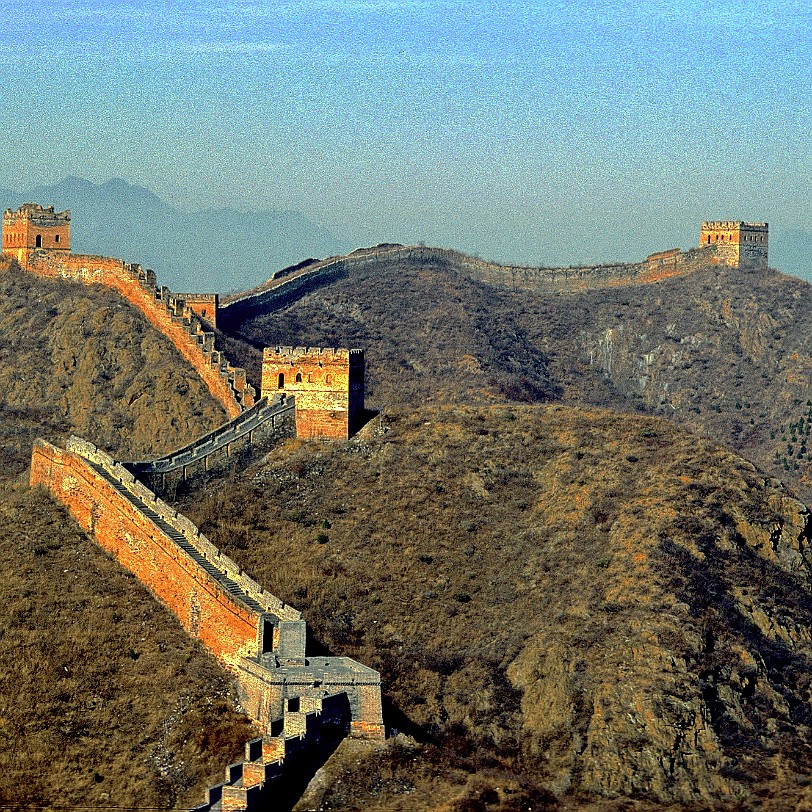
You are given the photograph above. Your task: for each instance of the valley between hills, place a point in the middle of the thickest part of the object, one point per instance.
(564, 541)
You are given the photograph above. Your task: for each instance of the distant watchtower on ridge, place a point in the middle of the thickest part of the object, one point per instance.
(33, 228)
(738, 244)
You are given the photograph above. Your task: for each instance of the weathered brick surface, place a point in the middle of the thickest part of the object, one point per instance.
(328, 385)
(39, 238)
(204, 304)
(288, 285)
(257, 427)
(225, 627)
(34, 227)
(737, 244)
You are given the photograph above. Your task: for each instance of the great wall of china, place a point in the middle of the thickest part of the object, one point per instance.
(291, 283)
(303, 705)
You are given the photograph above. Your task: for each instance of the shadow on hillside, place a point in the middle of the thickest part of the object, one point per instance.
(707, 587)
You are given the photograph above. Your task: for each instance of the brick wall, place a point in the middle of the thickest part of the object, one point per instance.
(204, 304)
(164, 311)
(207, 612)
(288, 286)
(33, 227)
(738, 244)
(328, 385)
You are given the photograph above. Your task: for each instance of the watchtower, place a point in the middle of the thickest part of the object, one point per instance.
(328, 385)
(33, 228)
(204, 304)
(738, 244)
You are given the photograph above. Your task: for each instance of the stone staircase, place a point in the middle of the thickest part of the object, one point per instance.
(218, 574)
(310, 729)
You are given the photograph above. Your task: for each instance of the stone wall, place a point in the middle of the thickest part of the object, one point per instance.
(277, 766)
(166, 312)
(205, 305)
(225, 622)
(738, 244)
(328, 385)
(256, 428)
(260, 638)
(34, 227)
(291, 284)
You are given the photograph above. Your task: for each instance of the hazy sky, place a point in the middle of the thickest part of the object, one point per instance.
(530, 131)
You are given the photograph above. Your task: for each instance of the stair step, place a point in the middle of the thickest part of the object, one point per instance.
(178, 538)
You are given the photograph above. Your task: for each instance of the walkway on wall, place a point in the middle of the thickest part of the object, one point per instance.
(166, 311)
(261, 421)
(219, 573)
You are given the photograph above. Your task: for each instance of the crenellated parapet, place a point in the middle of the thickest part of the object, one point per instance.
(305, 735)
(258, 427)
(261, 639)
(168, 312)
(290, 284)
(736, 243)
(328, 384)
(33, 228)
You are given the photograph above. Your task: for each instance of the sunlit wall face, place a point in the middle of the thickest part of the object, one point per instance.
(530, 130)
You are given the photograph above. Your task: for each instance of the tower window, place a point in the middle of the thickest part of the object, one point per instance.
(281, 382)
(38, 242)
(56, 238)
(298, 377)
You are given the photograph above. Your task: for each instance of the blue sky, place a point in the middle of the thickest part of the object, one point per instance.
(528, 131)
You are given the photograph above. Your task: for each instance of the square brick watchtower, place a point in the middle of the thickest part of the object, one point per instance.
(738, 244)
(33, 228)
(328, 385)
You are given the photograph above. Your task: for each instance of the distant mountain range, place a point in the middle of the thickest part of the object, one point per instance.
(214, 250)
(220, 250)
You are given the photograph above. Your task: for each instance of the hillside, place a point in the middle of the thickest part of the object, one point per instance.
(561, 601)
(571, 608)
(104, 700)
(723, 352)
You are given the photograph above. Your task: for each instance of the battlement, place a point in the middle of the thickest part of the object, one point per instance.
(34, 228)
(730, 224)
(328, 384)
(204, 304)
(323, 354)
(738, 244)
(35, 213)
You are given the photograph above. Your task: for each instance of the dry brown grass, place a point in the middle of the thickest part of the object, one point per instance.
(104, 700)
(536, 585)
(722, 352)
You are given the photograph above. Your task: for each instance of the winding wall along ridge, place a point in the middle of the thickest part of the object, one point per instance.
(304, 705)
(264, 421)
(166, 312)
(299, 279)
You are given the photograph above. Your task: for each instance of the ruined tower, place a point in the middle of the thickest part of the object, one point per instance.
(33, 228)
(738, 244)
(328, 385)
